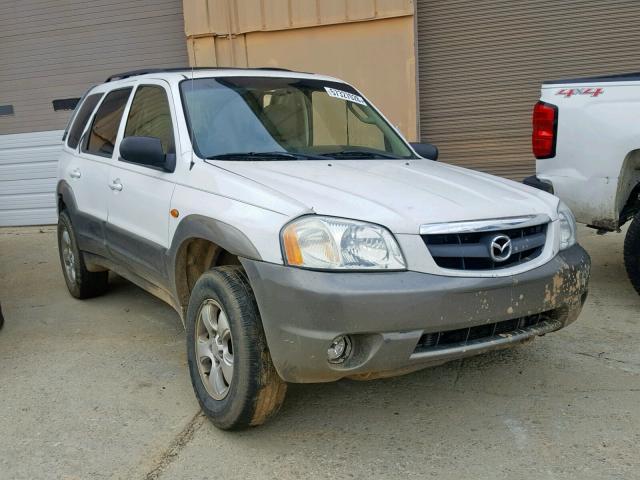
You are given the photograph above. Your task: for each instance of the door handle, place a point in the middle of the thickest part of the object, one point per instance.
(75, 173)
(116, 185)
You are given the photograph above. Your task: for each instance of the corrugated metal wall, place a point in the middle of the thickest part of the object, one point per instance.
(56, 49)
(481, 64)
(224, 17)
(28, 177)
(369, 43)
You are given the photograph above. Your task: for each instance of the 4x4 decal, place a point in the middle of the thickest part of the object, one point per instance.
(591, 91)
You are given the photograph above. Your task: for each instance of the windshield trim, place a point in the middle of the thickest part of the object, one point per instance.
(329, 83)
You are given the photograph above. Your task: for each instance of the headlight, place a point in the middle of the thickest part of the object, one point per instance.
(340, 244)
(568, 233)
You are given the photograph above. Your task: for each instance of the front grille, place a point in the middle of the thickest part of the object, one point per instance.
(470, 250)
(480, 333)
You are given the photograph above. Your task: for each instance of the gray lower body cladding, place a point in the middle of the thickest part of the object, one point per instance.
(391, 315)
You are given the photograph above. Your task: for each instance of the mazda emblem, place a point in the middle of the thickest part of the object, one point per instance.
(500, 248)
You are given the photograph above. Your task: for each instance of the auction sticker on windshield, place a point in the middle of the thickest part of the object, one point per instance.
(345, 95)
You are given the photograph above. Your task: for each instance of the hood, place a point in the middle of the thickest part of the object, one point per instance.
(398, 194)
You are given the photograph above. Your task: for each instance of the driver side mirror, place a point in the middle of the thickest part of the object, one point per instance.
(426, 150)
(147, 151)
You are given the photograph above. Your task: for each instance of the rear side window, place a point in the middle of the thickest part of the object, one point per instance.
(150, 116)
(80, 119)
(102, 137)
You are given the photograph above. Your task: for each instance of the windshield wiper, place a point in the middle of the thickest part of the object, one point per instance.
(358, 154)
(263, 156)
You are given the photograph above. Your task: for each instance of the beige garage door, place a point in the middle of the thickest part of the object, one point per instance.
(481, 64)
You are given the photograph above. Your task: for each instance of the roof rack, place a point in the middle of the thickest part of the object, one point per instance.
(144, 71)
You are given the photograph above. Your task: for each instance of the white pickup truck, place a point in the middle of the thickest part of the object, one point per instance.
(586, 138)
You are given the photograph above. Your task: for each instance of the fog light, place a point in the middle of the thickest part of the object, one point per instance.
(339, 350)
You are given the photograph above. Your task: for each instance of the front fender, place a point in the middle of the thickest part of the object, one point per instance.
(220, 233)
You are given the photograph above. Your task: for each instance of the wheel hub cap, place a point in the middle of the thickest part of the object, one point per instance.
(214, 349)
(68, 258)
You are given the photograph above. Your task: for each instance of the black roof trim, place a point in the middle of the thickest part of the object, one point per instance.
(144, 71)
(623, 77)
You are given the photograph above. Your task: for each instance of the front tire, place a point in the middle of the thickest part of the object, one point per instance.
(632, 252)
(231, 370)
(81, 282)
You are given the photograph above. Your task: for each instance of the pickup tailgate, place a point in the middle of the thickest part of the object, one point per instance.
(596, 131)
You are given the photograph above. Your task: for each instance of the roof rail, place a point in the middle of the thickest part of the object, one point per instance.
(144, 71)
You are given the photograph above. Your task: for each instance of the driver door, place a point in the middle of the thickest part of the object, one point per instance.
(137, 229)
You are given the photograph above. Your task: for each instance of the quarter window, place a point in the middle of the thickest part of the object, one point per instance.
(102, 138)
(77, 127)
(150, 116)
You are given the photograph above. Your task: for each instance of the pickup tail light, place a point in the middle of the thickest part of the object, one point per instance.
(545, 129)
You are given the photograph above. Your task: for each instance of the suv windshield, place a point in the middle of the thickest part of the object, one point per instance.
(265, 118)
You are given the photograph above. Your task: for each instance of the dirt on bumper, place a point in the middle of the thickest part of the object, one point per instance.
(387, 314)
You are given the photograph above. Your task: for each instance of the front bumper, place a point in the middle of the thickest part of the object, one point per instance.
(389, 314)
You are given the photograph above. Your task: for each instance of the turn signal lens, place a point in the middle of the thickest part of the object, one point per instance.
(291, 247)
(545, 128)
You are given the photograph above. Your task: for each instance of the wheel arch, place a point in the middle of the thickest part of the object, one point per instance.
(65, 197)
(200, 243)
(628, 191)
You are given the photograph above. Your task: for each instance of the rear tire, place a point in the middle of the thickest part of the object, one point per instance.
(81, 282)
(632, 252)
(231, 370)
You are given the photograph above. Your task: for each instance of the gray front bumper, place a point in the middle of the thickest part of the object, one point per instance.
(387, 313)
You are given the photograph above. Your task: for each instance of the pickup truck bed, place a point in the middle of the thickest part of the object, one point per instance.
(596, 165)
(586, 138)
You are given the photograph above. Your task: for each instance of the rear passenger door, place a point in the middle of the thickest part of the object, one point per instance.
(86, 172)
(140, 197)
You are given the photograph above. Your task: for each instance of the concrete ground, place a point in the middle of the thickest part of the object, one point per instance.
(99, 389)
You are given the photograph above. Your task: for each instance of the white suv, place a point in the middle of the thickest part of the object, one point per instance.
(299, 236)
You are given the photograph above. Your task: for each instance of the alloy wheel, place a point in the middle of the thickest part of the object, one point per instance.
(68, 258)
(214, 349)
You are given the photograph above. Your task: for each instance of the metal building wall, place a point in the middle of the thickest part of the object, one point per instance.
(481, 64)
(28, 164)
(224, 17)
(369, 43)
(56, 49)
